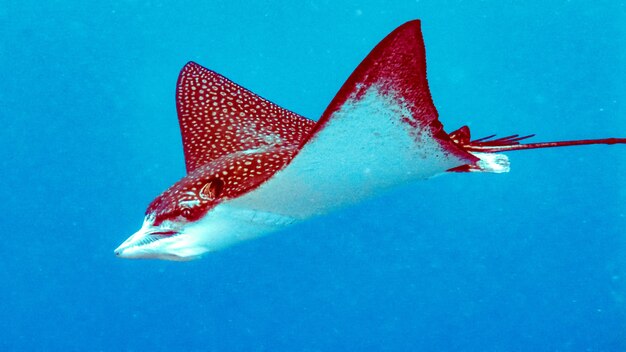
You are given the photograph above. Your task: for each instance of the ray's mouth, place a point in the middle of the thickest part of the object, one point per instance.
(165, 233)
(135, 242)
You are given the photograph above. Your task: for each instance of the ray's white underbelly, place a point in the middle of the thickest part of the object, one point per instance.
(352, 158)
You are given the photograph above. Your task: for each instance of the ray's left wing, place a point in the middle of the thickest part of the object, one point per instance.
(218, 117)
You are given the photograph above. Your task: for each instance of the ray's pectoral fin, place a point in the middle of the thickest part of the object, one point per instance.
(384, 116)
(387, 97)
(380, 130)
(218, 117)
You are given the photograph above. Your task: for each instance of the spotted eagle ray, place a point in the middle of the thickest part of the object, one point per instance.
(254, 168)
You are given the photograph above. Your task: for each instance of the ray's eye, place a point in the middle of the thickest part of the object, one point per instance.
(186, 213)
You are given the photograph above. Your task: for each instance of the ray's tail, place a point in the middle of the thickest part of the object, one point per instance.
(483, 147)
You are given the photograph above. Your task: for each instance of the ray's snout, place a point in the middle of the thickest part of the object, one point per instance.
(138, 244)
(159, 242)
(119, 251)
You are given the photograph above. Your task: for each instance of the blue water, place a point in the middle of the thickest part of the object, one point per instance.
(533, 260)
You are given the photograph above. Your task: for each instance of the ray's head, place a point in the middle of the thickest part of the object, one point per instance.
(180, 224)
(168, 218)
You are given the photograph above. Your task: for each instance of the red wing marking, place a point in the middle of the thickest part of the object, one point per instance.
(218, 117)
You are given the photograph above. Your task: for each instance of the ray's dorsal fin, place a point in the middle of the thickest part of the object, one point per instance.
(217, 117)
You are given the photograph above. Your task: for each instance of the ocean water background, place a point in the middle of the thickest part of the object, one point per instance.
(530, 260)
